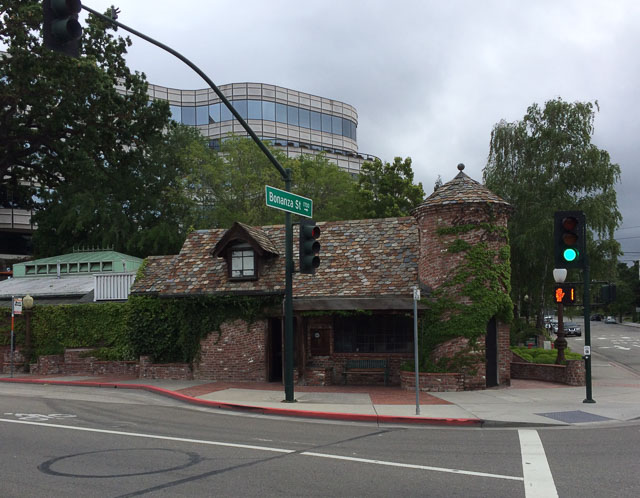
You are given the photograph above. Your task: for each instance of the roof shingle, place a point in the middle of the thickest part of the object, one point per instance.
(359, 258)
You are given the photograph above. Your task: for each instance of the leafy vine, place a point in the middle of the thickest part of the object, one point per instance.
(476, 291)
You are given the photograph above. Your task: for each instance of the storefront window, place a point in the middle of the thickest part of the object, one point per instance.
(373, 334)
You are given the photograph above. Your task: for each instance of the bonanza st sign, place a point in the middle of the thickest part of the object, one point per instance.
(286, 201)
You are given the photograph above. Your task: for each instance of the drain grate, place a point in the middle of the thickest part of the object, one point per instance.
(574, 417)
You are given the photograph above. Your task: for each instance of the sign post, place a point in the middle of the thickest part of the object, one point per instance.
(416, 298)
(16, 309)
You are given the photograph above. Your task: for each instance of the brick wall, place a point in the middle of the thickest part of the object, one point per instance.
(473, 376)
(572, 374)
(238, 353)
(5, 357)
(436, 264)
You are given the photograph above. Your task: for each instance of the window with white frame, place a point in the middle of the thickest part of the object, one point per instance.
(243, 262)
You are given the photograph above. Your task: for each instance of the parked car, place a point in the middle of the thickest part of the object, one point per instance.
(596, 318)
(610, 319)
(570, 328)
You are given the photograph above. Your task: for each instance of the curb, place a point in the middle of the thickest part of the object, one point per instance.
(352, 417)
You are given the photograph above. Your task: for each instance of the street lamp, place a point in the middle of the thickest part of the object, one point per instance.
(560, 275)
(27, 304)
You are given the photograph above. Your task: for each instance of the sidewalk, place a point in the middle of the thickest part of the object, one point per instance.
(616, 391)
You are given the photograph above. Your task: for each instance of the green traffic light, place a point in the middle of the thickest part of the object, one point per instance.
(570, 255)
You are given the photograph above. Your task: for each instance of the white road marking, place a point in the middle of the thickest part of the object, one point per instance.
(623, 348)
(276, 450)
(538, 481)
(412, 466)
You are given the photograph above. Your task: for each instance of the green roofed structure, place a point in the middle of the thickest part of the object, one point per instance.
(78, 263)
(81, 276)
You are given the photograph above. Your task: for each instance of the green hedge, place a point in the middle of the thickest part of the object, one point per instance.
(169, 330)
(544, 356)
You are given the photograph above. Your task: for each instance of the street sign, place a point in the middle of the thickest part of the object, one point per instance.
(286, 201)
(587, 350)
(17, 306)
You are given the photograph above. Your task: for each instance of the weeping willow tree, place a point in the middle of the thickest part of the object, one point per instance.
(544, 163)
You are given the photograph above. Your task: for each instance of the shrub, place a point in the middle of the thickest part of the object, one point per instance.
(544, 356)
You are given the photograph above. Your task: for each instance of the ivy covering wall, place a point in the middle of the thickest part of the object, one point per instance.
(477, 290)
(169, 330)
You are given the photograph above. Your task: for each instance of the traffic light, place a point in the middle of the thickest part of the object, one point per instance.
(60, 28)
(309, 246)
(569, 239)
(565, 294)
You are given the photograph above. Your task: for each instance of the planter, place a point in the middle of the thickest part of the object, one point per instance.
(432, 382)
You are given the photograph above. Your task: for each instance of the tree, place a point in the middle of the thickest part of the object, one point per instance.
(547, 163)
(627, 291)
(387, 189)
(331, 188)
(140, 209)
(87, 148)
(230, 186)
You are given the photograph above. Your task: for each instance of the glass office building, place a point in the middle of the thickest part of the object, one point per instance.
(296, 122)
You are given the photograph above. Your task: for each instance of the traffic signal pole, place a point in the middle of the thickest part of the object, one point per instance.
(286, 176)
(586, 301)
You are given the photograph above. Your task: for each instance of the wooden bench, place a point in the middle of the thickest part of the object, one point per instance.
(367, 366)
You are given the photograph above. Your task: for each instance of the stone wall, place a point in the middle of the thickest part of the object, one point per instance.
(432, 382)
(173, 371)
(80, 362)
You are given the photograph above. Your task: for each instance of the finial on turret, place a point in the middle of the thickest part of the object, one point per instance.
(460, 167)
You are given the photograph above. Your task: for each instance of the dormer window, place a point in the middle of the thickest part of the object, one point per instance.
(246, 249)
(243, 262)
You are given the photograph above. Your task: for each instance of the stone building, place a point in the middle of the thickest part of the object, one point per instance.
(359, 303)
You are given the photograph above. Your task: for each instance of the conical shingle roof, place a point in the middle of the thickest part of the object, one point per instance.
(462, 190)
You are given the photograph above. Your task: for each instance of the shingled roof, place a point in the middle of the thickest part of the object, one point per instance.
(462, 189)
(360, 259)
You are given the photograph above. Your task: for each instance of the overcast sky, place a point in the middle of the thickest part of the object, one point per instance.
(429, 79)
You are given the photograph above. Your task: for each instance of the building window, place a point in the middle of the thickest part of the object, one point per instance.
(176, 113)
(255, 109)
(189, 116)
(214, 113)
(373, 334)
(202, 115)
(243, 262)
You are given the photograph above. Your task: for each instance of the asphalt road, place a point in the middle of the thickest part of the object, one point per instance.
(615, 342)
(61, 441)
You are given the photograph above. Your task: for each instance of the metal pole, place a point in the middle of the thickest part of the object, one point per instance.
(586, 301)
(416, 296)
(288, 303)
(12, 319)
(561, 341)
